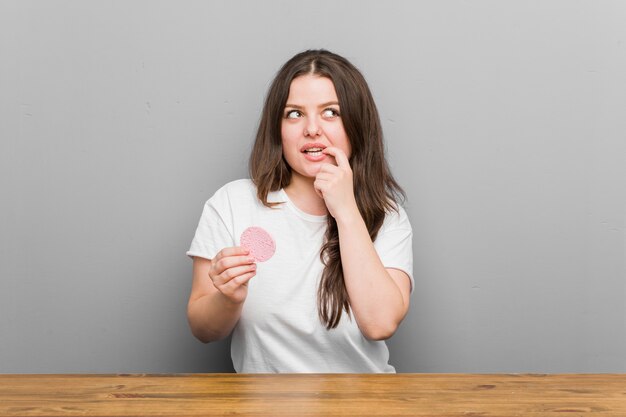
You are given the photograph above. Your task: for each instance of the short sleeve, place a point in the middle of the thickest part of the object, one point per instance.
(394, 243)
(214, 228)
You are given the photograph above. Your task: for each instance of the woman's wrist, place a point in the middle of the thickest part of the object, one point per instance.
(350, 219)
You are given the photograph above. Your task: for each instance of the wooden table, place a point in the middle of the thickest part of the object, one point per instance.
(433, 395)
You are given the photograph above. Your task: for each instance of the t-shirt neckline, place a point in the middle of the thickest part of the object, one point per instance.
(298, 212)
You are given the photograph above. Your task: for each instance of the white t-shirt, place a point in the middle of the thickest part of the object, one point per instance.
(279, 329)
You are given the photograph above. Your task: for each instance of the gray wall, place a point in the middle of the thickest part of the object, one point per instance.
(505, 122)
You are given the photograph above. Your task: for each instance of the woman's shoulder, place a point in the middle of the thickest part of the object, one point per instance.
(396, 218)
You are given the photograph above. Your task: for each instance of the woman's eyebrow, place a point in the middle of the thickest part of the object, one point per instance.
(330, 103)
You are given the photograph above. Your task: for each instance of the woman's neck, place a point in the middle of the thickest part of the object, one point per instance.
(302, 193)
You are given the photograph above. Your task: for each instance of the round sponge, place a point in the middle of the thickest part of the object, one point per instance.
(258, 242)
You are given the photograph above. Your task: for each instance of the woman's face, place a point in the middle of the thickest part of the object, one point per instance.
(311, 122)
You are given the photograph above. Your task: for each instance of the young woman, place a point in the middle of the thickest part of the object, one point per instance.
(339, 281)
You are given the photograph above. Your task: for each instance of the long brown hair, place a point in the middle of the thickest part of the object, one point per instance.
(375, 189)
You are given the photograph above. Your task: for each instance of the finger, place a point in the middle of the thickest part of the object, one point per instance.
(233, 274)
(231, 251)
(317, 186)
(322, 187)
(243, 279)
(235, 283)
(225, 263)
(339, 155)
(329, 168)
(325, 176)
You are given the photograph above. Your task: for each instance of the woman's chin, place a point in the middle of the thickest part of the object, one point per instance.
(307, 174)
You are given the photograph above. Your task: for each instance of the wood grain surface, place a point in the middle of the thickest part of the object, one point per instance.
(433, 395)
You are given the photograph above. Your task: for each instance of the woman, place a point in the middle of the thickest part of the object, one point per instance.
(339, 282)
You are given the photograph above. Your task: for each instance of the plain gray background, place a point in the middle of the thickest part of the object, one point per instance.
(505, 122)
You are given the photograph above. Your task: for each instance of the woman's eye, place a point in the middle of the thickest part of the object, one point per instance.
(329, 113)
(293, 114)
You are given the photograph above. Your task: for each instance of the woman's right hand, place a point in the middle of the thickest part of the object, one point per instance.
(230, 271)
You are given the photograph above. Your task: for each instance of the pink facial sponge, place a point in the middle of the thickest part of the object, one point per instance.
(258, 242)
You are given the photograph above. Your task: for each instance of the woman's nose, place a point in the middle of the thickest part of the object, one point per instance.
(312, 129)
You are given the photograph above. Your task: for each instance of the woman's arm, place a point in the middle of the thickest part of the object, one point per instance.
(218, 291)
(379, 297)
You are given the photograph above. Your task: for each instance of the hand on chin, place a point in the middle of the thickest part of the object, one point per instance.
(334, 183)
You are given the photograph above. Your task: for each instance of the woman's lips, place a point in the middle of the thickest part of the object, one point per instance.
(314, 152)
(315, 157)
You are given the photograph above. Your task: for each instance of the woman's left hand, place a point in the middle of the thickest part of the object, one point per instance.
(334, 184)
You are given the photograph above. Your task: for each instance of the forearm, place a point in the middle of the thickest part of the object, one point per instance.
(375, 298)
(212, 317)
